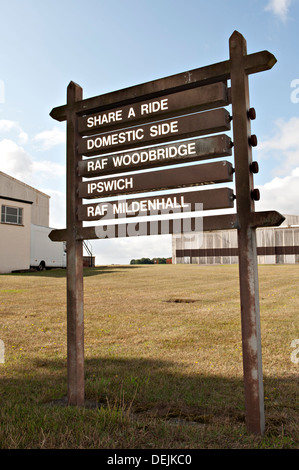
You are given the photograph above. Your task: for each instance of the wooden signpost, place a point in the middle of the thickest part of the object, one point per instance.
(150, 126)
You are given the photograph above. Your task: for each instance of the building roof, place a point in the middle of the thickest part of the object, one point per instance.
(4, 175)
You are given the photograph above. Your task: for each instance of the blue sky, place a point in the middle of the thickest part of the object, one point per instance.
(109, 45)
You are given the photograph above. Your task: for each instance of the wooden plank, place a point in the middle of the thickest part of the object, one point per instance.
(219, 198)
(192, 125)
(253, 63)
(160, 227)
(177, 152)
(167, 106)
(193, 175)
(265, 219)
(210, 223)
(192, 224)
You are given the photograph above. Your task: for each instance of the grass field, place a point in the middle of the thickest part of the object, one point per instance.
(163, 359)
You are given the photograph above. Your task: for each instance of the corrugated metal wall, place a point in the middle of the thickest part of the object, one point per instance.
(279, 245)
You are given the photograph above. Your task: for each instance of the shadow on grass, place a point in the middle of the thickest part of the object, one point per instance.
(87, 272)
(149, 388)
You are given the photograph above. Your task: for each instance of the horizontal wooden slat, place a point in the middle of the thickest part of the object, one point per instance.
(266, 219)
(219, 198)
(167, 106)
(177, 152)
(193, 125)
(253, 63)
(193, 175)
(209, 223)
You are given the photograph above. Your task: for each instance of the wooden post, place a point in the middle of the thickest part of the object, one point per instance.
(248, 273)
(75, 322)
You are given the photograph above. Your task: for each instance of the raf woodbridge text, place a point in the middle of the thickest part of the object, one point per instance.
(142, 156)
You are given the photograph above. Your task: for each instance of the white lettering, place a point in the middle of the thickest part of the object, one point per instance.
(90, 144)
(90, 211)
(169, 459)
(90, 166)
(118, 460)
(161, 153)
(144, 109)
(91, 187)
(110, 185)
(139, 134)
(101, 209)
(98, 164)
(295, 93)
(154, 106)
(131, 113)
(164, 128)
(114, 139)
(137, 206)
(89, 122)
(104, 118)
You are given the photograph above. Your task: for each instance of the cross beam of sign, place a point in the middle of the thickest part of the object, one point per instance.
(175, 104)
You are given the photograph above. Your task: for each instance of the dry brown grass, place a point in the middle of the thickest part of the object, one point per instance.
(163, 359)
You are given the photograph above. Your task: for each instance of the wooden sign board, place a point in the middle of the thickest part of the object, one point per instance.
(192, 125)
(140, 159)
(175, 104)
(117, 128)
(193, 175)
(220, 198)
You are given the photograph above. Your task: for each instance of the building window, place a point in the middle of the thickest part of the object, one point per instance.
(12, 215)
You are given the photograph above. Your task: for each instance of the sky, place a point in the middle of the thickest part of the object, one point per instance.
(110, 45)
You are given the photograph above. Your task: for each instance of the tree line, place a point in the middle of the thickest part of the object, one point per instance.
(151, 261)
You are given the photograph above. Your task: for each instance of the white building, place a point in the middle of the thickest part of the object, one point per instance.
(21, 205)
(24, 229)
(275, 245)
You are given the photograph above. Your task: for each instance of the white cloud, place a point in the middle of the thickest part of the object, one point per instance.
(15, 161)
(281, 194)
(286, 135)
(279, 8)
(48, 169)
(49, 139)
(7, 126)
(283, 145)
(23, 137)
